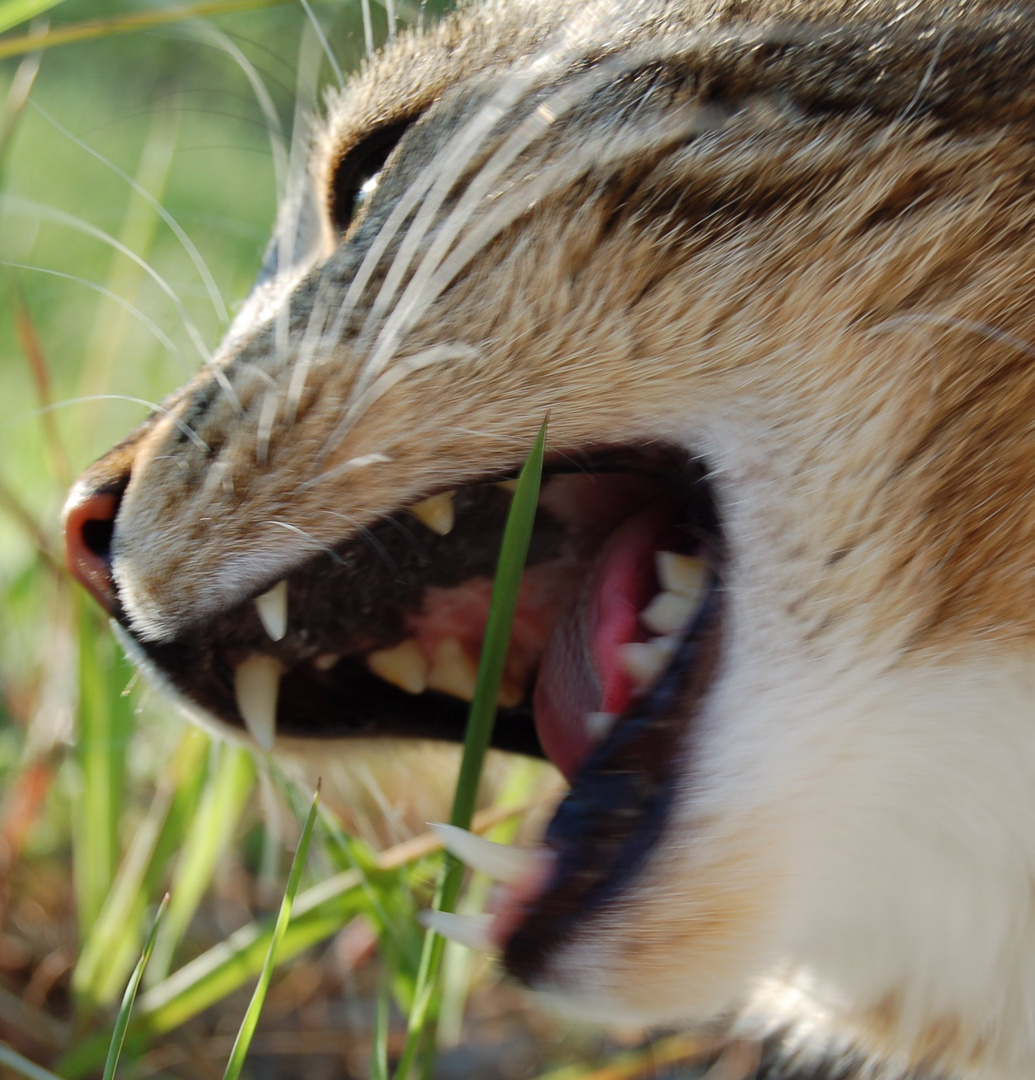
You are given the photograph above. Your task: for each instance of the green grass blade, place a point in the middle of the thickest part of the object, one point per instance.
(22, 1066)
(14, 12)
(319, 913)
(207, 839)
(118, 1036)
(98, 973)
(104, 724)
(513, 552)
(251, 1017)
(379, 1052)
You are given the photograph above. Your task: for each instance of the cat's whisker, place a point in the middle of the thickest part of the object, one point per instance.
(177, 230)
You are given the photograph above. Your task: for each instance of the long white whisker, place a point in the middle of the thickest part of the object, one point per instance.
(154, 406)
(262, 96)
(534, 126)
(327, 50)
(61, 217)
(186, 243)
(955, 322)
(108, 294)
(368, 27)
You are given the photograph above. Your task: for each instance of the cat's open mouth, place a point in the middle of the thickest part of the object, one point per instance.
(615, 638)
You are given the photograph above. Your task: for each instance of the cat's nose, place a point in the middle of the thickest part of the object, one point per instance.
(89, 526)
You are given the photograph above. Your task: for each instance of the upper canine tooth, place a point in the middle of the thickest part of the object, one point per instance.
(645, 660)
(256, 685)
(404, 666)
(272, 607)
(500, 861)
(681, 573)
(670, 611)
(453, 671)
(437, 513)
(469, 930)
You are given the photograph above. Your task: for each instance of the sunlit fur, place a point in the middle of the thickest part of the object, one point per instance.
(800, 240)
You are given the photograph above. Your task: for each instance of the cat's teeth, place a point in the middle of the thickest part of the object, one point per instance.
(325, 661)
(510, 695)
(256, 685)
(599, 724)
(469, 930)
(670, 611)
(500, 861)
(404, 666)
(644, 661)
(452, 670)
(681, 573)
(272, 607)
(437, 513)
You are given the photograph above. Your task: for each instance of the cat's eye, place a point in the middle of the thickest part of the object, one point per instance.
(358, 172)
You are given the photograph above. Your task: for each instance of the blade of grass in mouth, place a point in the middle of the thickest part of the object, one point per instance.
(513, 552)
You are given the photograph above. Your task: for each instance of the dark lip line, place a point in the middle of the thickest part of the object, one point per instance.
(619, 800)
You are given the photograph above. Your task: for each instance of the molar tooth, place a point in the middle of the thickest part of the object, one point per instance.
(670, 611)
(272, 607)
(256, 685)
(682, 574)
(453, 671)
(404, 666)
(469, 930)
(645, 660)
(599, 724)
(437, 513)
(500, 861)
(510, 695)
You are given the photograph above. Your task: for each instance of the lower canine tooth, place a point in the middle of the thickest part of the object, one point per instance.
(599, 724)
(645, 660)
(500, 861)
(256, 685)
(469, 930)
(453, 671)
(404, 666)
(272, 608)
(437, 513)
(670, 611)
(681, 573)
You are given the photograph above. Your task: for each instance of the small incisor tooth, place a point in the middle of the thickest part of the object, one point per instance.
(681, 573)
(670, 611)
(272, 608)
(452, 670)
(599, 724)
(436, 513)
(404, 666)
(256, 686)
(500, 861)
(470, 930)
(645, 660)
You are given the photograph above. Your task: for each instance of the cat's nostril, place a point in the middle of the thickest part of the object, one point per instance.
(89, 525)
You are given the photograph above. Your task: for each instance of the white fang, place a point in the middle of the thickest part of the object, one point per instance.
(404, 666)
(436, 513)
(500, 861)
(256, 685)
(272, 608)
(469, 930)
(681, 573)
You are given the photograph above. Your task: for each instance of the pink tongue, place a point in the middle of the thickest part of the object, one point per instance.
(580, 671)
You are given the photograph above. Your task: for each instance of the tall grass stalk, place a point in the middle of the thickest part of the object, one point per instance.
(513, 553)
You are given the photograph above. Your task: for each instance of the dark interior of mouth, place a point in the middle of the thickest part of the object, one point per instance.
(381, 636)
